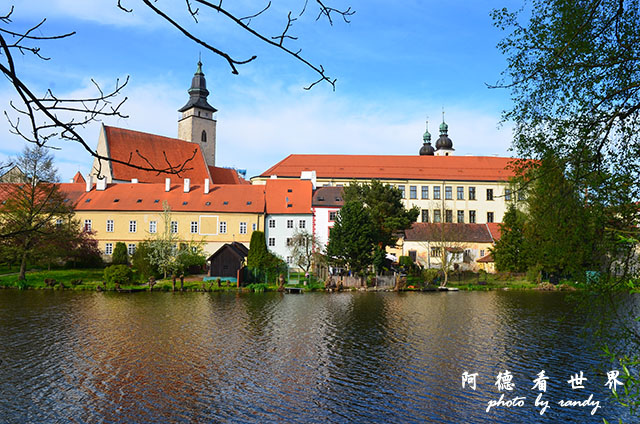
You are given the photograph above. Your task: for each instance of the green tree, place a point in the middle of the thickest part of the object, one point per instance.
(509, 252)
(352, 238)
(163, 249)
(31, 210)
(386, 211)
(258, 254)
(141, 262)
(120, 254)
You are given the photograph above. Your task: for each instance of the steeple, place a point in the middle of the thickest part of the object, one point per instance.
(196, 123)
(444, 145)
(427, 148)
(198, 92)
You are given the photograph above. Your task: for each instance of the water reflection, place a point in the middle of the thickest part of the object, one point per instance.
(315, 358)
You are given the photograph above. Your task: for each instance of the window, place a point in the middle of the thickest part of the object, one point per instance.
(460, 193)
(289, 223)
(243, 228)
(153, 226)
(521, 194)
(133, 226)
(481, 252)
(194, 227)
(448, 215)
(413, 192)
(489, 216)
(174, 227)
(434, 252)
(413, 255)
(448, 193)
(272, 223)
(272, 241)
(288, 242)
(203, 136)
(289, 260)
(332, 215)
(460, 216)
(401, 188)
(472, 217)
(437, 216)
(108, 249)
(436, 193)
(425, 192)
(425, 215)
(254, 226)
(472, 193)
(507, 194)
(489, 194)
(131, 248)
(302, 224)
(59, 222)
(223, 227)
(109, 225)
(87, 225)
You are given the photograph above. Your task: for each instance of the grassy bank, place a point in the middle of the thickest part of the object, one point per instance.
(91, 279)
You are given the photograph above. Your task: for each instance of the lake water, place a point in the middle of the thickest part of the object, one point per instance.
(312, 358)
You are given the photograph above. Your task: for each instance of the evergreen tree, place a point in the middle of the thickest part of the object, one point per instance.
(120, 254)
(509, 252)
(258, 255)
(351, 241)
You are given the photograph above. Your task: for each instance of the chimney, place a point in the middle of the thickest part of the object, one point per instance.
(206, 186)
(89, 183)
(167, 184)
(101, 184)
(187, 185)
(134, 181)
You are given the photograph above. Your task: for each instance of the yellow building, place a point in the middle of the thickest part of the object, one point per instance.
(133, 212)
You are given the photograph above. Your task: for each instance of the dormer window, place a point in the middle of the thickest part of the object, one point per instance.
(203, 136)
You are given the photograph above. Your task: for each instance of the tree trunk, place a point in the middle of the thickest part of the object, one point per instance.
(23, 267)
(182, 282)
(173, 282)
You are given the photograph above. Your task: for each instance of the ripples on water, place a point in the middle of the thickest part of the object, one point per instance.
(270, 358)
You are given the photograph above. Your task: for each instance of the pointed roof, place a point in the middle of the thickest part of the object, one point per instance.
(78, 178)
(143, 149)
(198, 93)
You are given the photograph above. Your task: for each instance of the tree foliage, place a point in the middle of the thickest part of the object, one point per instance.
(386, 211)
(510, 253)
(352, 238)
(258, 253)
(32, 211)
(120, 254)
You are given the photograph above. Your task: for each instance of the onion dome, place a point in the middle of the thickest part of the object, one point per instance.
(444, 142)
(427, 149)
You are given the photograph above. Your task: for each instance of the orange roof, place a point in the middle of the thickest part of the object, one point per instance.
(78, 178)
(225, 176)
(150, 197)
(288, 196)
(455, 168)
(156, 151)
(495, 230)
(71, 191)
(486, 258)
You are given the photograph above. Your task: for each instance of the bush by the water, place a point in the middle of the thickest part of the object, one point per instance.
(120, 255)
(121, 274)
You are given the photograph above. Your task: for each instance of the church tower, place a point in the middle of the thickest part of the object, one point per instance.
(444, 145)
(196, 123)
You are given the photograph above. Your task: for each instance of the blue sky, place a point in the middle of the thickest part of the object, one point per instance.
(394, 66)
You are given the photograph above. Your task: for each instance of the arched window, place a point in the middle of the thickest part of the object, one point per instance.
(203, 137)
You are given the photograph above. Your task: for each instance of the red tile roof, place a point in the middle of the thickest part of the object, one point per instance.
(288, 196)
(454, 232)
(150, 197)
(78, 178)
(455, 168)
(486, 258)
(328, 197)
(159, 152)
(495, 230)
(226, 176)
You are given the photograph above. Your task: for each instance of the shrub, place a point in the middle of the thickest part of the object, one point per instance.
(120, 255)
(142, 264)
(429, 275)
(534, 274)
(118, 274)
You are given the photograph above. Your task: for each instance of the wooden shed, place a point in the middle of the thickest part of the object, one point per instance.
(227, 260)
